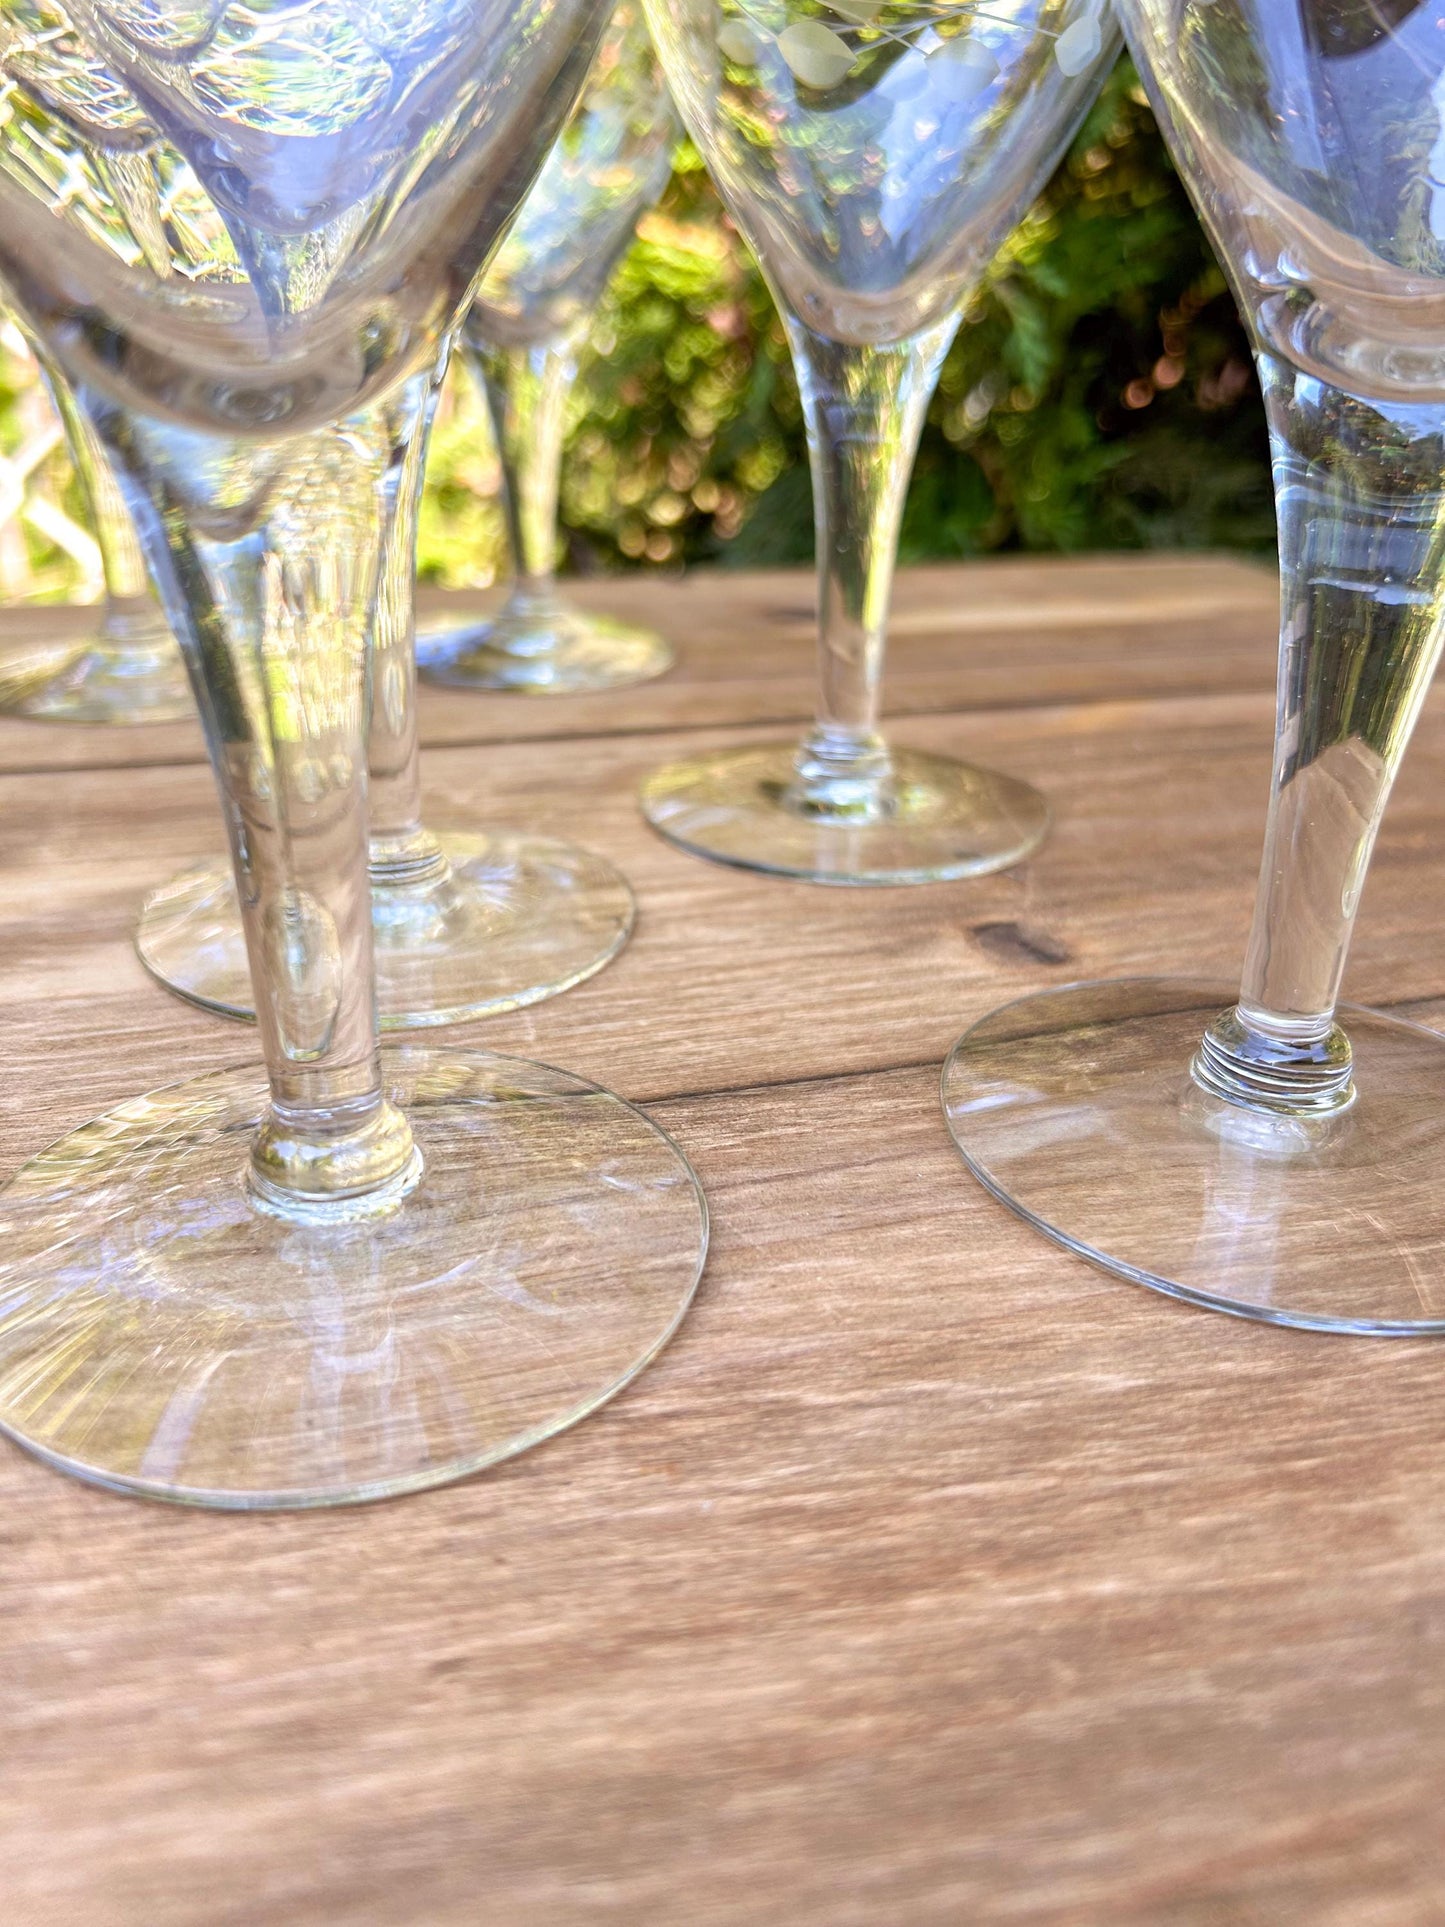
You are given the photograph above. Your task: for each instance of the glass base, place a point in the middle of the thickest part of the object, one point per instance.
(553, 652)
(516, 919)
(944, 819)
(161, 1335)
(108, 676)
(1076, 1108)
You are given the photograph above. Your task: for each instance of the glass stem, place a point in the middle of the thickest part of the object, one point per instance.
(402, 853)
(864, 409)
(1360, 487)
(267, 556)
(132, 622)
(527, 391)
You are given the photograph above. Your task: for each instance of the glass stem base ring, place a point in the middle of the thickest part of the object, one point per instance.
(160, 1335)
(512, 920)
(550, 649)
(1077, 1108)
(940, 819)
(104, 677)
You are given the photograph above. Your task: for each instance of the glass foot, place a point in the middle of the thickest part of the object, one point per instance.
(161, 1335)
(514, 920)
(559, 653)
(108, 676)
(943, 819)
(1077, 1109)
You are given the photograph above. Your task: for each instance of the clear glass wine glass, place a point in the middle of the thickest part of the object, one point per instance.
(466, 922)
(126, 668)
(874, 153)
(350, 1275)
(521, 341)
(1267, 1151)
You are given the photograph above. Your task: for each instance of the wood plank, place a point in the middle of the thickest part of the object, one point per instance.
(731, 980)
(928, 1577)
(997, 633)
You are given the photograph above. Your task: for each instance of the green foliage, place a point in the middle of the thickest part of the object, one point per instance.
(1100, 393)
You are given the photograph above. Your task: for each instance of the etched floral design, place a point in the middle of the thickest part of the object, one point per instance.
(821, 51)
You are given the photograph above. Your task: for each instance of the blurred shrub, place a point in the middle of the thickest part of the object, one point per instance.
(1100, 393)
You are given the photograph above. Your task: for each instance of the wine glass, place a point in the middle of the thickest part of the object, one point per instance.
(520, 343)
(874, 153)
(466, 922)
(351, 1275)
(127, 669)
(1267, 1151)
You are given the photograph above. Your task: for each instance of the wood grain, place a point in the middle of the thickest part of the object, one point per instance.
(1041, 631)
(929, 1576)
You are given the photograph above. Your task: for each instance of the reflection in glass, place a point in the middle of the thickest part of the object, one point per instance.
(1280, 1157)
(345, 1276)
(521, 340)
(127, 668)
(875, 153)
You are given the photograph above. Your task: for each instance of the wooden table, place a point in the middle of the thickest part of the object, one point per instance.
(930, 1576)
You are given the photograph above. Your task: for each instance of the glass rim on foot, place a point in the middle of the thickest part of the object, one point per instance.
(283, 1287)
(511, 920)
(871, 237)
(1269, 1151)
(467, 923)
(521, 342)
(1077, 1108)
(528, 1299)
